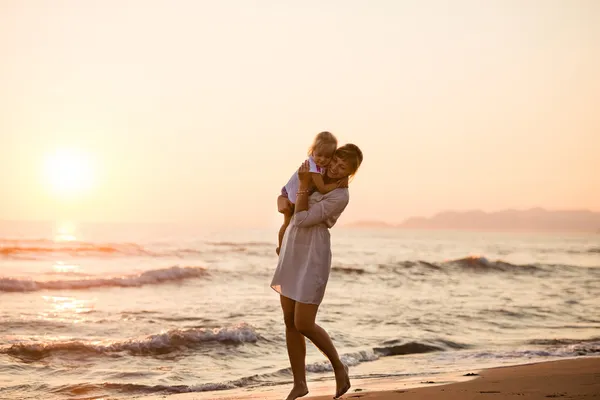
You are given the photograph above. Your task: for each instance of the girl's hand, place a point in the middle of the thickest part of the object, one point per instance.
(304, 175)
(343, 183)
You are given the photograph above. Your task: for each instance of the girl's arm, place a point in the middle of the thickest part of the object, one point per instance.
(322, 187)
(319, 212)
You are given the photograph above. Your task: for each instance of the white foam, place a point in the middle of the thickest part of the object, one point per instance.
(154, 344)
(349, 360)
(558, 351)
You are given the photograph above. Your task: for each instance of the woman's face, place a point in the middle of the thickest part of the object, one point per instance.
(338, 168)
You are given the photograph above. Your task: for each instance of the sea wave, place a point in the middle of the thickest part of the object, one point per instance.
(466, 264)
(556, 348)
(241, 244)
(390, 348)
(482, 264)
(13, 325)
(563, 341)
(349, 359)
(141, 389)
(408, 348)
(162, 343)
(572, 350)
(151, 277)
(81, 389)
(348, 270)
(32, 249)
(12, 248)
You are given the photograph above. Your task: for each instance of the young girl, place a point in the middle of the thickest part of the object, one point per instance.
(319, 155)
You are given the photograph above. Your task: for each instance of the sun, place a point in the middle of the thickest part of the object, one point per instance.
(68, 172)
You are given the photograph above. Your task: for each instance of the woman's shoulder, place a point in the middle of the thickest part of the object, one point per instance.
(337, 194)
(345, 192)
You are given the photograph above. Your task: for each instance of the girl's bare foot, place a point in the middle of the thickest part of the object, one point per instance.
(342, 382)
(298, 391)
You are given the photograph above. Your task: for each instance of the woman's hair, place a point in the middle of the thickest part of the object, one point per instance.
(323, 139)
(351, 154)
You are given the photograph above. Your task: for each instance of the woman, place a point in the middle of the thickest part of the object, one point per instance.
(304, 265)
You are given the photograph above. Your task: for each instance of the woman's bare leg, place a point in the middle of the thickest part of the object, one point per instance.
(304, 320)
(296, 347)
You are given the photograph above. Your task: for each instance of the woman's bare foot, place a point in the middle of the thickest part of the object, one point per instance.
(342, 382)
(298, 391)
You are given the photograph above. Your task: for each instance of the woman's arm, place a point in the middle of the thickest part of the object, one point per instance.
(303, 188)
(332, 205)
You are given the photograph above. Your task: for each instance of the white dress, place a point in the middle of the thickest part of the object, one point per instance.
(305, 257)
(294, 183)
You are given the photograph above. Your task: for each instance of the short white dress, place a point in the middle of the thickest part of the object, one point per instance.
(305, 257)
(293, 184)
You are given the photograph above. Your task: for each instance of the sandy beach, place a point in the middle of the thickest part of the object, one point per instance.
(569, 379)
(577, 378)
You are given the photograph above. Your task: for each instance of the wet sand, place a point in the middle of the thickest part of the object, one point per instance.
(577, 378)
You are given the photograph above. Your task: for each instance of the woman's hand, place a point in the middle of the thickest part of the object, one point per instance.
(304, 176)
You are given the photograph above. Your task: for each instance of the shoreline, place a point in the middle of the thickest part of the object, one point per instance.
(567, 378)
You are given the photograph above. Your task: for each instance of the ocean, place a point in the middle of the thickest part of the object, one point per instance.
(102, 311)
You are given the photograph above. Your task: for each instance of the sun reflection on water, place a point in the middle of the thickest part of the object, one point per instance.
(65, 232)
(62, 268)
(67, 309)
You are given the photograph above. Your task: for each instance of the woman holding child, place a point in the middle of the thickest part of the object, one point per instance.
(305, 253)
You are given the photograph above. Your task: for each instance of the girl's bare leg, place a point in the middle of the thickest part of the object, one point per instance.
(287, 217)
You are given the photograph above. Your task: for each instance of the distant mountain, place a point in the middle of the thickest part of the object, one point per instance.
(369, 224)
(535, 219)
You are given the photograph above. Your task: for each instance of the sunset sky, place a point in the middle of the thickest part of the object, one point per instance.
(199, 111)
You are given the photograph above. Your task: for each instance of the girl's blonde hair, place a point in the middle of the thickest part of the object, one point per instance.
(324, 138)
